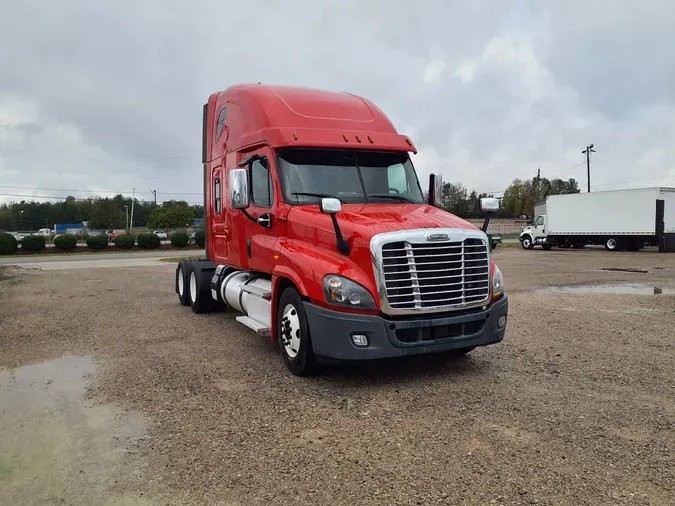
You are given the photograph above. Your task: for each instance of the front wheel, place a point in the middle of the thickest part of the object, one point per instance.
(293, 334)
(526, 242)
(611, 244)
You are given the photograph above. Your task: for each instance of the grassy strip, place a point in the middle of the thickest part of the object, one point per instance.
(110, 251)
(178, 259)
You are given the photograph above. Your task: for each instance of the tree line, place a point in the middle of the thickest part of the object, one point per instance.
(109, 213)
(517, 200)
(100, 213)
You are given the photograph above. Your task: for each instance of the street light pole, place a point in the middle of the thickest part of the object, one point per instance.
(126, 215)
(587, 152)
(154, 192)
(133, 198)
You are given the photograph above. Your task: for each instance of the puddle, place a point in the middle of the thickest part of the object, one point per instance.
(58, 448)
(616, 289)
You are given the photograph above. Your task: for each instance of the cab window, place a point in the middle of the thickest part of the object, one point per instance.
(540, 221)
(221, 122)
(261, 183)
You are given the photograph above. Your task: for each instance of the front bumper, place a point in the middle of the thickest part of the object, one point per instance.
(332, 330)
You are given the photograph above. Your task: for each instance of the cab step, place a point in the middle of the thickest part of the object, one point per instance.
(259, 328)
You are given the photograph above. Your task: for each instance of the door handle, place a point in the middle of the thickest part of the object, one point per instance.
(265, 220)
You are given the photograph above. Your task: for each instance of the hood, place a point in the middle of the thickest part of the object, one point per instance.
(360, 222)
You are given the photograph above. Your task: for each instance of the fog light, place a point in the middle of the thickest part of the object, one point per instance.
(501, 322)
(359, 340)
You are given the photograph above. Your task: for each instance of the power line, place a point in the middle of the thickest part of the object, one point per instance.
(567, 170)
(54, 197)
(94, 191)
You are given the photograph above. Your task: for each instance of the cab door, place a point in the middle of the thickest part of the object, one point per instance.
(262, 224)
(539, 229)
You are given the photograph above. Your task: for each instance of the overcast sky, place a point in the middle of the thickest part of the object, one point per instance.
(107, 96)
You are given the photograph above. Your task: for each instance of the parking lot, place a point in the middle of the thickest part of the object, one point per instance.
(111, 391)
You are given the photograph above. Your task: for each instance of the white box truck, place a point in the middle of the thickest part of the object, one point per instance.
(617, 219)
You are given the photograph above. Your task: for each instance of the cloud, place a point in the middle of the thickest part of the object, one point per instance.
(107, 96)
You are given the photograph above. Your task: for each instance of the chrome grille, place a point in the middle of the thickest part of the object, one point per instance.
(452, 274)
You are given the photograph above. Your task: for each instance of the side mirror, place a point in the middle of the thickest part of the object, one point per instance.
(489, 204)
(435, 189)
(330, 205)
(239, 189)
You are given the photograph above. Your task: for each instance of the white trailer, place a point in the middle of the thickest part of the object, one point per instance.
(618, 219)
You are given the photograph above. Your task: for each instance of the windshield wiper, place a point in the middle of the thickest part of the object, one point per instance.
(319, 195)
(398, 197)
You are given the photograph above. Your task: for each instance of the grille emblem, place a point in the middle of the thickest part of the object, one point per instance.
(437, 237)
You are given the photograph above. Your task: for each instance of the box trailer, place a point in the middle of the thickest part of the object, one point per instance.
(618, 220)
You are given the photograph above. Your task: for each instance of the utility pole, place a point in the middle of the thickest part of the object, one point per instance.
(154, 192)
(587, 152)
(538, 180)
(126, 215)
(133, 199)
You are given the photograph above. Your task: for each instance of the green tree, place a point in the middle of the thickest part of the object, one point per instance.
(106, 215)
(171, 215)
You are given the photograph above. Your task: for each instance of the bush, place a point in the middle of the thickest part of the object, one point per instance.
(200, 237)
(8, 244)
(97, 241)
(179, 239)
(65, 241)
(125, 241)
(148, 240)
(33, 243)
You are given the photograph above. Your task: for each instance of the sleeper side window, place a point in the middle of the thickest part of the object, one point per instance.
(216, 195)
(221, 122)
(261, 187)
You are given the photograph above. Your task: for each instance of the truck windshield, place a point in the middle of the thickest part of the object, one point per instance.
(353, 176)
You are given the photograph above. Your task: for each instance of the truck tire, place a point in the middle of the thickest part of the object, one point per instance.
(182, 276)
(612, 244)
(293, 335)
(199, 288)
(578, 246)
(526, 242)
(547, 246)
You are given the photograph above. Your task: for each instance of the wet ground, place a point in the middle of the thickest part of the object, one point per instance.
(58, 448)
(111, 393)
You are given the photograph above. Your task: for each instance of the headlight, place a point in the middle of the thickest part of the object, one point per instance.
(344, 292)
(497, 283)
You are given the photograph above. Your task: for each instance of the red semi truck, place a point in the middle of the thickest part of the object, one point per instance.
(318, 233)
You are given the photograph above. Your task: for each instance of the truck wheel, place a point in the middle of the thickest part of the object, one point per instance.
(182, 274)
(293, 334)
(526, 243)
(547, 246)
(578, 246)
(199, 289)
(611, 244)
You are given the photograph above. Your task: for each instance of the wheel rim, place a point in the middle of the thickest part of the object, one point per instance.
(193, 287)
(181, 282)
(526, 243)
(290, 330)
(611, 244)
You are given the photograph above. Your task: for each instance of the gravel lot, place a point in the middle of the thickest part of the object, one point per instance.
(576, 406)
